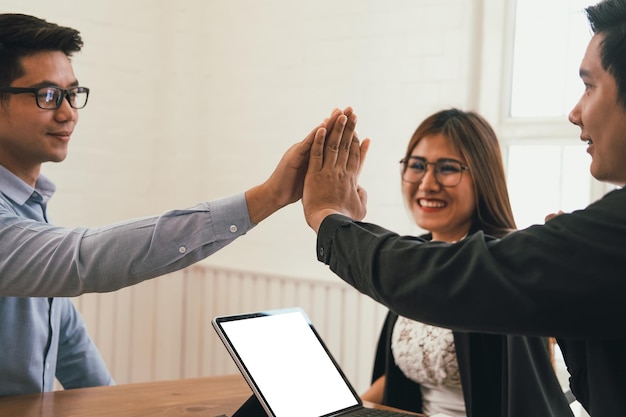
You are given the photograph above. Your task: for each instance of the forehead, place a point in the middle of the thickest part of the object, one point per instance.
(591, 65)
(436, 146)
(49, 67)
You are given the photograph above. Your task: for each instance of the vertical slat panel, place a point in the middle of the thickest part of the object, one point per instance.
(105, 319)
(318, 311)
(90, 310)
(141, 353)
(193, 322)
(275, 292)
(219, 285)
(206, 351)
(161, 329)
(334, 322)
(211, 342)
(366, 339)
(168, 330)
(123, 335)
(288, 295)
(348, 357)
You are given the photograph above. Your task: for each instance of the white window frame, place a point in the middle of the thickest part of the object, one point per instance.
(495, 67)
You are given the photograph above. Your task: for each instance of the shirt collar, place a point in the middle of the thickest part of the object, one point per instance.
(17, 190)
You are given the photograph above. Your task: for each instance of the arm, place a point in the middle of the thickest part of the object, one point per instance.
(41, 260)
(79, 363)
(48, 261)
(375, 392)
(564, 278)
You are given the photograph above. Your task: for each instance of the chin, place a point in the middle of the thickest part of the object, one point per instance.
(596, 173)
(58, 157)
(609, 179)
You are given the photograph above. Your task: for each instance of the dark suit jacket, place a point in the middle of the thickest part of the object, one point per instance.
(566, 278)
(502, 376)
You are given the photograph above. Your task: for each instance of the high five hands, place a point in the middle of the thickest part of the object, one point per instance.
(331, 182)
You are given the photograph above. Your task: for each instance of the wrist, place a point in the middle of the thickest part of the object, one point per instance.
(262, 202)
(315, 219)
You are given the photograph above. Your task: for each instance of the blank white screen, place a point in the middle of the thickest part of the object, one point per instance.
(289, 365)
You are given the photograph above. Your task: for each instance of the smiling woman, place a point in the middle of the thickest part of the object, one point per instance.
(442, 201)
(453, 183)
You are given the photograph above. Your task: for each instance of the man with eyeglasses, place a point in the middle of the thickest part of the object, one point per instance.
(42, 336)
(566, 278)
(51, 98)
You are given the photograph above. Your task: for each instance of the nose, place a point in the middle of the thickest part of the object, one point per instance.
(574, 115)
(429, 180)
(65, 112)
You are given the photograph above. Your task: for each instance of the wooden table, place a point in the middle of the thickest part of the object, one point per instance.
(198, 397)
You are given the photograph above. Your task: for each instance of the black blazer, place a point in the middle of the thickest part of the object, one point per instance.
(565, 278)
(502, 376)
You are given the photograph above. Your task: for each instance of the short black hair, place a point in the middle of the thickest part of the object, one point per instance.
(608, 18)
(23, 35)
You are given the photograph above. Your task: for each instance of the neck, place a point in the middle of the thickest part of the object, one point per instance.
(28, 175)
(448, 238)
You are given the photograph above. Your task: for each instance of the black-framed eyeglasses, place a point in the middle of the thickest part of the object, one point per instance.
(50, 98)
(448, 172)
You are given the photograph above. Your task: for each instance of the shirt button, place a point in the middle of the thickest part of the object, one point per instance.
(322, 251)
(47, 366)
(233, 228)
(182, 249)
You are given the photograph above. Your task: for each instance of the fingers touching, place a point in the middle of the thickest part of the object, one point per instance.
(333, 143)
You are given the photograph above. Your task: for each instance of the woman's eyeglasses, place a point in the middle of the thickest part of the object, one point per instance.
(448, 172)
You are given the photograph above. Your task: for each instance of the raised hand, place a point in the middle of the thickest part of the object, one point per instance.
(285, 184)
(331, 183)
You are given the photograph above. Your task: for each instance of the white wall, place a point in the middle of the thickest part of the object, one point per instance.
(197, 99)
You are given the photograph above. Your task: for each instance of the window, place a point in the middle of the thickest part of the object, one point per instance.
(547, 166)
(535, 171)
(549, 41)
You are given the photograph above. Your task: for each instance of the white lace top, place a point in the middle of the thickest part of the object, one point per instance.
(426, 355)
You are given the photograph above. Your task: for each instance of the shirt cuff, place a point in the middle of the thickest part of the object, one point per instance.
(230, 216)
(326, 233)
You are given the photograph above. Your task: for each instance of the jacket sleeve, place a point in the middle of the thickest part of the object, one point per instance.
(564, 278)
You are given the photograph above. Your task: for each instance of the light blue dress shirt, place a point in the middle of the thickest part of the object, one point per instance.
(43, 337)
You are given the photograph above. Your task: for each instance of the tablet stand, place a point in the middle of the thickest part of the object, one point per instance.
(251, 408)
